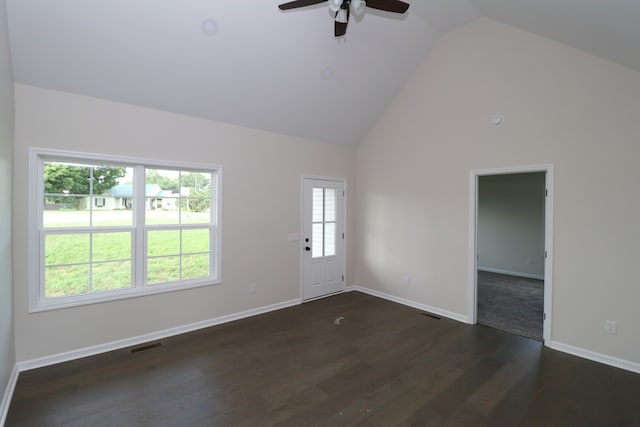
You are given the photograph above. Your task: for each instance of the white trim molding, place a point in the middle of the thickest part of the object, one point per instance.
(424, 307)
(596, 357)
(8, 394)
(154, 336)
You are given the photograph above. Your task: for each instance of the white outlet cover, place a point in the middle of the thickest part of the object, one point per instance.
(610, 326)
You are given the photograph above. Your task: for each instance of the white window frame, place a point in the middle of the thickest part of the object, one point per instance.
(37, 300)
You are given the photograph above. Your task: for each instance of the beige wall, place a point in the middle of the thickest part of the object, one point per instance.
(7, 353)
(561, 106)
(261, 206)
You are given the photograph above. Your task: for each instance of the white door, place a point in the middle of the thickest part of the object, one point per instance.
(322, 237)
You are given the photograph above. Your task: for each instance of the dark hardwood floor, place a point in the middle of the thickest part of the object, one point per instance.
(384, 364)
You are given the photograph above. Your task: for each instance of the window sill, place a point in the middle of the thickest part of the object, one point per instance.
(81, 300)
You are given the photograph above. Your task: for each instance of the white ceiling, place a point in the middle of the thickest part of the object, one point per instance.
(272, 70)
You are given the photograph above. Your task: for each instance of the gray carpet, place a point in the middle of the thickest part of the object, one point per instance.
(512, 304)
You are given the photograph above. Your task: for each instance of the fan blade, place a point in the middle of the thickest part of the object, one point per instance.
(396, 6)
(299, 3)
(341, 21)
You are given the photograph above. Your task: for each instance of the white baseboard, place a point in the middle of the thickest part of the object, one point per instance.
(350, 288)
(596, 357)
(424, 307)
(154, 336)
(512, 273)
(8, 393)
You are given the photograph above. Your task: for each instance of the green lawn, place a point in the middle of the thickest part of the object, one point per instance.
(81, 263)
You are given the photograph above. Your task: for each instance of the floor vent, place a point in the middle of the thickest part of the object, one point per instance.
(431, 315)
(145, 347)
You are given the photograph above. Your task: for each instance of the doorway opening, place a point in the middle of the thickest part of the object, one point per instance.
(510, 246)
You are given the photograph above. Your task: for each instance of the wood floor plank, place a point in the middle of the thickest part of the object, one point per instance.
(383, 364)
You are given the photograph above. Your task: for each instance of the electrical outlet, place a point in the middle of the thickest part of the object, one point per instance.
(405, 280)
(610, 326)
(252, 288)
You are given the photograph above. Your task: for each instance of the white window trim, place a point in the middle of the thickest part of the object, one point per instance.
(38, 303)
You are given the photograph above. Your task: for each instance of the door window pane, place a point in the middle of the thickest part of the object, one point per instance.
(318, 205)
(329, 204)
(324, 215)
(317, 240)
(329, 239)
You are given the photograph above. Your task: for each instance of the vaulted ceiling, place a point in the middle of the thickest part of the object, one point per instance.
(248, 63)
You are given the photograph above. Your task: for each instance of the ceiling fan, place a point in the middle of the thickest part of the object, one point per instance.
(342, 8)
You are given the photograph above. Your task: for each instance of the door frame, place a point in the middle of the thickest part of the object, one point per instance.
(344, 230)
(548, 241)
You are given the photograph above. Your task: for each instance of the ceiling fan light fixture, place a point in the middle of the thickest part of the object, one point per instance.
(342, 16)
(357, 6)
(334, 5)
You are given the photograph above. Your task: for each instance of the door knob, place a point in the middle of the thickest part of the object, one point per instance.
(307, 248)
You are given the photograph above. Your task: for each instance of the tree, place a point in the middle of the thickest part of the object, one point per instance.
(165, 182)
(76, 181)
(200, 190)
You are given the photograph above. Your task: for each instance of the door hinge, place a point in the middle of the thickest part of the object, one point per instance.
(546, 192)
(343, 277)
(544, 316)
(343, 235)
(545, 254)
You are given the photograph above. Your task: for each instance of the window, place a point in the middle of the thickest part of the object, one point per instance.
(324, 222)
(108, 228)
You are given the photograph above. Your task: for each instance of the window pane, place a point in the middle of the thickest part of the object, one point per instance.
(316, 240)
(66, 248)
(196, 211)
(70, 192)
(318, 205)
(155, 214)
(111, 217)
(163, 242)
(109, 276)
(66, 281)
(329, 239)
(66, 191)
(112, 191)
(195, 240)
(194, 266)
(163, 269)
(62, 215)
(329, 204)
(162, 196)
(195, 190)
(111, 246)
